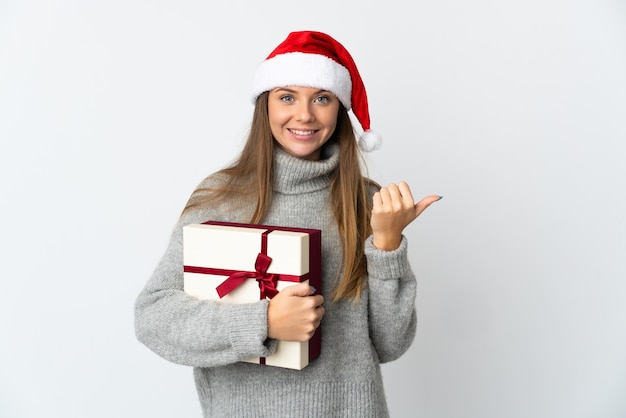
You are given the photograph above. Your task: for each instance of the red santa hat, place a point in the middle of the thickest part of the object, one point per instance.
(314, 59)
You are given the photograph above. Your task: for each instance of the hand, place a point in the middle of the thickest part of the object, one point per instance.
(294, 313)
(393, 210)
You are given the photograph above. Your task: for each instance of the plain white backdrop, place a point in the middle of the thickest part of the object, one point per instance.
(111, 113)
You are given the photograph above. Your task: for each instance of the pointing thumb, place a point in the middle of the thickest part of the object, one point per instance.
(426, 202)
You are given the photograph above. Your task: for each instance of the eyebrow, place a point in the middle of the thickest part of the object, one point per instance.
(287, 89)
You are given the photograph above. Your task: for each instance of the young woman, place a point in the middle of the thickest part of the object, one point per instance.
(301, 168)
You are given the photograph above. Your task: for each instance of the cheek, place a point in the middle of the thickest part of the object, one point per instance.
(277, 115)
(331, 122)
(276, 121)
(331, 116)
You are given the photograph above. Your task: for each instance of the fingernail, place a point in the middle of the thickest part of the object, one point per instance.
(440, 197)
(313, 289)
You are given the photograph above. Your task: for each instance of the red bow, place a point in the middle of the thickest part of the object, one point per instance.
(267, 282)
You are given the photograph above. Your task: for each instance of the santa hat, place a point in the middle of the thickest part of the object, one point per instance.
(314, 59)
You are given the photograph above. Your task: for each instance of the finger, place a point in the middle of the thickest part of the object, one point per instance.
(320, 315)
(318, 300)
(395, 197)
(394, 191)
(426, 202)
(405, 191)
(377, 199)
(300, 289)
(385, 196)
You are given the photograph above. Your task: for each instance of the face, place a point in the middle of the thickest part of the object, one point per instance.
(302, 119)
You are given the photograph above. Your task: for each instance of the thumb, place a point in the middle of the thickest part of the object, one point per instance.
(426, 202)
(300, 289)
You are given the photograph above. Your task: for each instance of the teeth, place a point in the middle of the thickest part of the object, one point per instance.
(298, 132)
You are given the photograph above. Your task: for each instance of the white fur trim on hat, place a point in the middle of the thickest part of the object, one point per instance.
(303, 70)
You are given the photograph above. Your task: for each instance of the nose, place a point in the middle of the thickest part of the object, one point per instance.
(305, 112)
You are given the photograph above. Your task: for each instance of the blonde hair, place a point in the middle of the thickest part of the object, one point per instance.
(251, 176)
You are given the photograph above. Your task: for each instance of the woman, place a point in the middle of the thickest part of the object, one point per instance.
(301, 168)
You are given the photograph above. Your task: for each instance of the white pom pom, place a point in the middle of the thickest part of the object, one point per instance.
(370, 141)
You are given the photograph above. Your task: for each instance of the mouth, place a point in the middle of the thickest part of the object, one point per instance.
(301, 132)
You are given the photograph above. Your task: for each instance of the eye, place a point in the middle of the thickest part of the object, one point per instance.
(322, 99)
(286, 98)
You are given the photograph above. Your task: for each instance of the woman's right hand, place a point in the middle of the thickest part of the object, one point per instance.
(294, 313)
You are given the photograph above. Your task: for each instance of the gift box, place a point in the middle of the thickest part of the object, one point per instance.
(242, 263)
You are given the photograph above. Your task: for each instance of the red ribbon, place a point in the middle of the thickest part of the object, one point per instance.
(267, 281)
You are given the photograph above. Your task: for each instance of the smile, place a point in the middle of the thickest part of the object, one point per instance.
(299, 132)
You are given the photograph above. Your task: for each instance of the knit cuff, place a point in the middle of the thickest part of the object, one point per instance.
(386, 265)
(248, 329)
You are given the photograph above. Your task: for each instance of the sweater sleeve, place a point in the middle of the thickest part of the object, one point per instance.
(193, 332)
(392, 292)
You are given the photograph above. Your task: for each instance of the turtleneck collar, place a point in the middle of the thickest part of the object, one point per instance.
(294, 175)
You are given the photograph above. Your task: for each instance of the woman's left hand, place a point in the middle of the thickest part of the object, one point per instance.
(393, 209)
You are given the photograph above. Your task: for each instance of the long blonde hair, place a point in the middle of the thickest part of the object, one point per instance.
(251, 176)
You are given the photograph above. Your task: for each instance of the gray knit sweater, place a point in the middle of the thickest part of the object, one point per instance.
(345, 381)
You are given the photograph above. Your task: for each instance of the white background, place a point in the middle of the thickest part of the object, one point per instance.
(111, 112)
